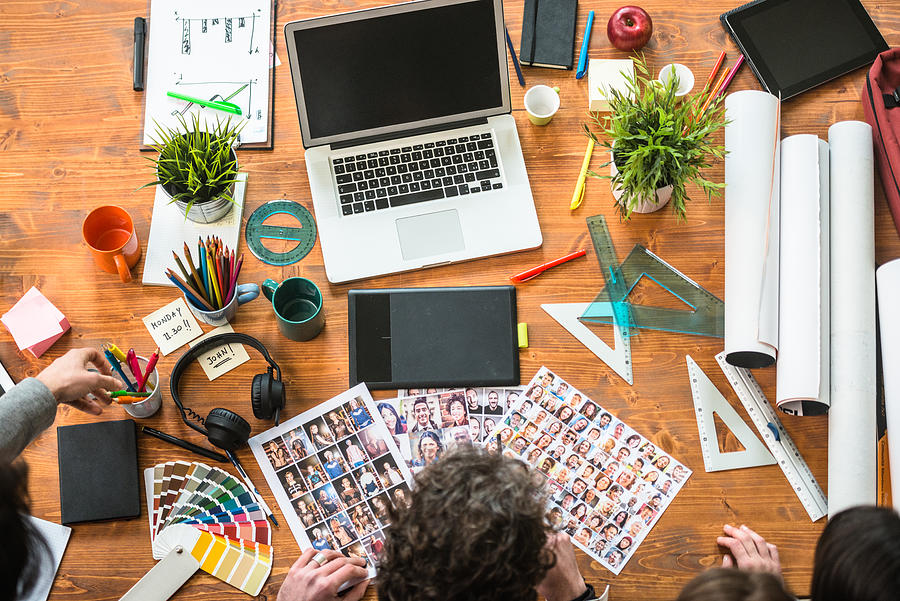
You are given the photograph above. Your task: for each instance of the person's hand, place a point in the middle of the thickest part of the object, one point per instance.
(70, 381)
(307, 581)
(750, 551)
(563, 582)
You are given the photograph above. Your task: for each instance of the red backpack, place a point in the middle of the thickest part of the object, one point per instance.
(881, 103)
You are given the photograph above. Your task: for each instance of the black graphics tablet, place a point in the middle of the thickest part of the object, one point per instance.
(420, 337)
(795, 45)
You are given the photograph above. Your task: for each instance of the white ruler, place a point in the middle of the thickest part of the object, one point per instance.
(776, 437)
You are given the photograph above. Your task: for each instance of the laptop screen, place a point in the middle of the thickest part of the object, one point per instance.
(395, 68)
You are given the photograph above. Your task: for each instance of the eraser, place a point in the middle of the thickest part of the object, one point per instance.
(523, 335)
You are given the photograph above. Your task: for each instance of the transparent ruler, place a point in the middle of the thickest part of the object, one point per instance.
(776, 438)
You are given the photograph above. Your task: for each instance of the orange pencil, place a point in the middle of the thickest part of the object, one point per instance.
(715, 70)
(712, 94)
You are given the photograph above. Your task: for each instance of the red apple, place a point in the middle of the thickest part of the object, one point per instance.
(629, 28)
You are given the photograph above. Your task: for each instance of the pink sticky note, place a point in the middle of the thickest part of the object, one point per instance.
(35, 323)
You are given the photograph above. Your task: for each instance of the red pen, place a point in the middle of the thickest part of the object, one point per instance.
(151, 365)
(536, 271)
(131, 359)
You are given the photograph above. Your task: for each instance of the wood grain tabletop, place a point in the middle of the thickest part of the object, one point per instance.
(70, 130)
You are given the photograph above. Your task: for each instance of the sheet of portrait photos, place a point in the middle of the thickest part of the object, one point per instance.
(608, 485)
(428, 422)
(334, 471)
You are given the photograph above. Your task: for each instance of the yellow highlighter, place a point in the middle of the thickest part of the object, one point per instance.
(578, 195)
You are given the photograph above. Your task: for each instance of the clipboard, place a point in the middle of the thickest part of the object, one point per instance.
(238, 29)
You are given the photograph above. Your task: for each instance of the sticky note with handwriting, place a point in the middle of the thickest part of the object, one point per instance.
(221, 359)
(173, 326)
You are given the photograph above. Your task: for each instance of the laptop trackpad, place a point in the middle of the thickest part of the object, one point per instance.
(430, 234)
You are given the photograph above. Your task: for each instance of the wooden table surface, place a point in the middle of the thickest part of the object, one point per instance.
(70, 126)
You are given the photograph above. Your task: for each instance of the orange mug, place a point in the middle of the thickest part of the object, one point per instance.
(109, 232)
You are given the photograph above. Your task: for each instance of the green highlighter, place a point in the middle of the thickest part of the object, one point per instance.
(219, 105)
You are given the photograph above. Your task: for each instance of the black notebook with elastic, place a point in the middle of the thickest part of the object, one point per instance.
(98, 472)
(417, 337)
(548, 33)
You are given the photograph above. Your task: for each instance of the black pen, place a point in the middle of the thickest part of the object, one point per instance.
(140, 32)
(185, 444)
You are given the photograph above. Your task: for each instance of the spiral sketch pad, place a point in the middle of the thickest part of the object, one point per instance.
(607, 485)
(210, 513)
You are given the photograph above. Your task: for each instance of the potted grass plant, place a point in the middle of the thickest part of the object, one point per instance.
(658, 143)
(197, 167)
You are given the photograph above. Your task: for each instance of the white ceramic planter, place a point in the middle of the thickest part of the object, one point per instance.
(206, 212)
(663, 195)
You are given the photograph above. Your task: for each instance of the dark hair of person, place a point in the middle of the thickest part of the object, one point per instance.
(858, 556)
(734, 585)
(474, 530)
(23, 548)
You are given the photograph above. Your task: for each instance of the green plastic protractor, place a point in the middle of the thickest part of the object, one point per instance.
(304, 235)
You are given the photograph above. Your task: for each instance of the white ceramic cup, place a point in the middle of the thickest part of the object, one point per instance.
(685, 77)
(541, 103)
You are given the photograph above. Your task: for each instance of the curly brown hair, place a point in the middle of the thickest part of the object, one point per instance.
(474, 530)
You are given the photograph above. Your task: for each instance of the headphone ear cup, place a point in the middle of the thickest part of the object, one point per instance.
(226, 429)
(266, 396)
(259, 396)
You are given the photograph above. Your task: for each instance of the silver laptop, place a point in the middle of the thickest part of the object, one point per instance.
(413, 156)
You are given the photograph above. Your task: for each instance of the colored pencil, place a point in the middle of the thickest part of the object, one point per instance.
(181, 268)
(715, 69)
(713, 93)
(233, 281)
(731, 74)
(218, 261)
(195, 277)
(184, 288)
(202, 260)
(203, 304)
(212, 278)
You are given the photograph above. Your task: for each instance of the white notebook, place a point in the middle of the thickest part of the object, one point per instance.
(169, 230)
(57, 538)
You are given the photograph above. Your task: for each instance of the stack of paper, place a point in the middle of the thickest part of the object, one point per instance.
(35, 323)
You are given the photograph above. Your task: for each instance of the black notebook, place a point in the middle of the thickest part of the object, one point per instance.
(98, 472)
(413, 337)
(552, 42)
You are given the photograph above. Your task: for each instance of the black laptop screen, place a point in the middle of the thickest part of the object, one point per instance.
(399, 68)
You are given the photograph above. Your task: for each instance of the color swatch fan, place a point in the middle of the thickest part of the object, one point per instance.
(211, 514)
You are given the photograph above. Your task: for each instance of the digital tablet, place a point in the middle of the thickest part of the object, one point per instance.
(421, 337)
(795, 45)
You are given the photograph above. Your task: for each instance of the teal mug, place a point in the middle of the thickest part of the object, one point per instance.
(297, 303)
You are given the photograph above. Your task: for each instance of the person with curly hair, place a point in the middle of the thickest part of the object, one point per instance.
(497, 513)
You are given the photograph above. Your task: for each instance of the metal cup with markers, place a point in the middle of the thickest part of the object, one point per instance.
(219, 317)
(137, 404)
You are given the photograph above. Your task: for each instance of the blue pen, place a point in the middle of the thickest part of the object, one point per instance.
(118, 367)
(582, 58)
(512, 53)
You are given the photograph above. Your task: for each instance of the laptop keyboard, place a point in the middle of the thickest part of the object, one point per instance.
(418, 173)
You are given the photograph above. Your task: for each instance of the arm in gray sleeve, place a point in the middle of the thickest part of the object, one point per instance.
(26, 410)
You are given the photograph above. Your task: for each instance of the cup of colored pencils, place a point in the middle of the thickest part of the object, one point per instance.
(147, 398)
(210, 283)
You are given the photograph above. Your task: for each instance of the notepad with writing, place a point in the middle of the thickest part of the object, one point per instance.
(98, 472)
(548, 33)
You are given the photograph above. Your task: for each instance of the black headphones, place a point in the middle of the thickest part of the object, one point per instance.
(226, 429)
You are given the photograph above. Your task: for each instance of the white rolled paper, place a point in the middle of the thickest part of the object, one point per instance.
(751, 228)
(888, 276)
(802, 382)
(851, 419)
